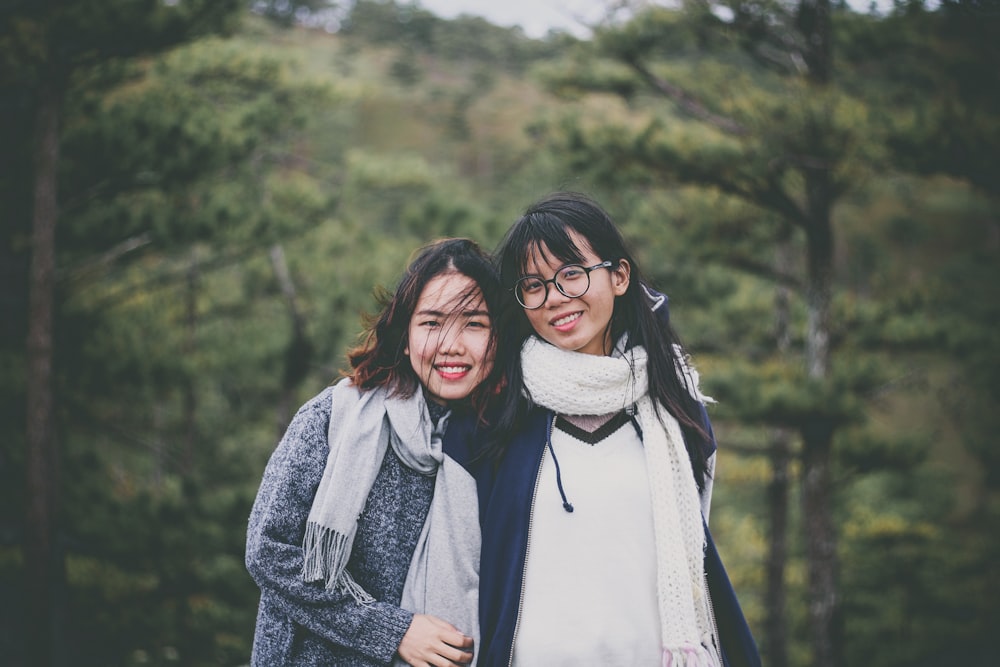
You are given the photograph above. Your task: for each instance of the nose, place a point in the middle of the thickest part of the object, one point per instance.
(451, 341)
(554, 297)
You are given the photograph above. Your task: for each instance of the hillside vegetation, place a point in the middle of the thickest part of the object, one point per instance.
(229, 205)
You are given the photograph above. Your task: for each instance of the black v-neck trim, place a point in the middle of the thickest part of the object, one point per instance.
(592, 437)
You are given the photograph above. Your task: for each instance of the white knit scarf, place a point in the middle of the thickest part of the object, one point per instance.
(443, 578)
(574, 383)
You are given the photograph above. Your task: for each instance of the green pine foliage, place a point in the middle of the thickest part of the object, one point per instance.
(229, 206)
(712, 182)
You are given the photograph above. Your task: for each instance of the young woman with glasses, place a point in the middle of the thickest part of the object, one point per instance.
(364, 537)
(594, 506)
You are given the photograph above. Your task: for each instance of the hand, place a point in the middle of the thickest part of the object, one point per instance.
(430, 641)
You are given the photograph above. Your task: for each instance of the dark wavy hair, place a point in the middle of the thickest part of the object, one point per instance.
(379, 360)
(546, 226)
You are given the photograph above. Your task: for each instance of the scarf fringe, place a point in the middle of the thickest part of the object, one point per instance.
(689, 375)
(688, 655)
(326, 552)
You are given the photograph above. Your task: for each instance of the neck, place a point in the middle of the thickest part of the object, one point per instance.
(435, 408)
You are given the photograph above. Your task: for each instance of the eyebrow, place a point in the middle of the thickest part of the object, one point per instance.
(465, 313)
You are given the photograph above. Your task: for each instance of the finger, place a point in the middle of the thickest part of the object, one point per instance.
(458, 640)
(442, 661)
(456, 655)
(443, 624)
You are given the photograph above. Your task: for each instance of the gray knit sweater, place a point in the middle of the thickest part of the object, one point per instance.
(300, 623)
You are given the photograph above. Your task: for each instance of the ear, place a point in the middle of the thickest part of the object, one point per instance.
(620, 277)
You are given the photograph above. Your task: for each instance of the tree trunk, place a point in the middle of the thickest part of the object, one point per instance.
(821, 544)
(44, 570)
(814, 22)
(819, 258)
(817, 436)
(298, 354)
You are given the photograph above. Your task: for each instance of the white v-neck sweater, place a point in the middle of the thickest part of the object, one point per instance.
(590, 575)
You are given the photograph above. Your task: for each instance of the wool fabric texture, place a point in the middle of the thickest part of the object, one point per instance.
(302, 623)
(582, 384)
(443, 578)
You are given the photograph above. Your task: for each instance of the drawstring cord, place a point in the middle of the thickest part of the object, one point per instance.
(567, 505)
(632, 413)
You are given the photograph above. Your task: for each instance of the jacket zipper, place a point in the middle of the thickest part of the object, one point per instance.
(527, 547)
(716, 640)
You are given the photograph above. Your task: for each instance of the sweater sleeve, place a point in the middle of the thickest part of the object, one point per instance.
(274, 556)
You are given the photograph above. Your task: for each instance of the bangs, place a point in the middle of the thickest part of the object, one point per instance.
(544, 238)
(470, 298)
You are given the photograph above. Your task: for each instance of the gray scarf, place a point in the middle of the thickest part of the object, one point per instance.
(443, 579)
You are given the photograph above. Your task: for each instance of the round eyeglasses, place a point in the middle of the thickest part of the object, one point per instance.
(572, 280)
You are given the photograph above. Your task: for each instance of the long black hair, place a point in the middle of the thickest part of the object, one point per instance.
(546, 226)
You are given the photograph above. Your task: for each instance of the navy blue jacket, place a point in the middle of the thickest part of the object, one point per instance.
(506, 494)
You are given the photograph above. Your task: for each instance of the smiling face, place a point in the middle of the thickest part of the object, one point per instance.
(580, 324)
(449, 337)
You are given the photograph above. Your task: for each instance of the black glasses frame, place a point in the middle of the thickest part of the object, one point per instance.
(606, 264)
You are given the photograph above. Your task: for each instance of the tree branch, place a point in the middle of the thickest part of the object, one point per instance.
(777, 199)
(106, 258)
(687, 102)
(761, 270)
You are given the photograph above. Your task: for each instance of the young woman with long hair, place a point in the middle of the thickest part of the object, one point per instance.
(595, 498)
(364, 537)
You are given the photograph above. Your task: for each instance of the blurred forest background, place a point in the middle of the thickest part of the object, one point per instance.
(198, 197)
